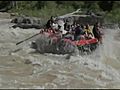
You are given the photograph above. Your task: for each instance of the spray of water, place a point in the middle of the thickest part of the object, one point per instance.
(97, 70)
(100, 61)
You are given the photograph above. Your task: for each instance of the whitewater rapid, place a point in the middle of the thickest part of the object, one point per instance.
(21, 67)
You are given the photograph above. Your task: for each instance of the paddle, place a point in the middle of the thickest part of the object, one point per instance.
(27, 38)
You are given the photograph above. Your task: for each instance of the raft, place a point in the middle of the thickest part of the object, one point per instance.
(84, 45)
(54, 44)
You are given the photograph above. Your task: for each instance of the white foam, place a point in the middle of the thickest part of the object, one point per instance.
(94, 61)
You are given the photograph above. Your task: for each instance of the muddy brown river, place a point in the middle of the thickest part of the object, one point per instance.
(21, 67)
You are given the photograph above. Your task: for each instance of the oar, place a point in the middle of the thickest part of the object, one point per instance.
(27, 38)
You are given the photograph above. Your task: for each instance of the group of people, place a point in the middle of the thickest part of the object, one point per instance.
(74, 32)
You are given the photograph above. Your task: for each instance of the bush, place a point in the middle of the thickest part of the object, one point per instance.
(113, 16)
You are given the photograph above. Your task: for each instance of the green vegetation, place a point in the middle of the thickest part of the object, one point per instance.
(45, 9)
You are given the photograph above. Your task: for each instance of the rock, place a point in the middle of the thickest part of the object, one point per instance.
(13, 60)
(37, 64)
(13, 14)
(28, 61)
(85, 63)
(27, 26)
(68, 56)
(26, 22)
(82, 18)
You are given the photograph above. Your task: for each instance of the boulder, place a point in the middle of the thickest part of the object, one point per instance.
(26, 22)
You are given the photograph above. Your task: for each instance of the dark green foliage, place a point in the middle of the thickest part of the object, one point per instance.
(45, 9)
(4, 4)
(106, 5)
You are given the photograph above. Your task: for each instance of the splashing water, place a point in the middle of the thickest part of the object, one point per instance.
(101, 69)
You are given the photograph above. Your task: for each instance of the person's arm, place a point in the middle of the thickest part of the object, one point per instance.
(86, 34)
(50, 22)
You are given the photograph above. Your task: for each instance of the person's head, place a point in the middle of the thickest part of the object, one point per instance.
(72, 32)
(69, 26)
(87, 26)
(78, 25)
(82, 26)
(97, 24)
(52, 18)
(59, 26)
(74, 23)
(56, 30)
(72, 26)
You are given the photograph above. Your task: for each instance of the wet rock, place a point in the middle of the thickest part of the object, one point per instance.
(36, 64)
(28, 61)
(14, 60)
(25, 22)
(85, 63)
(27, 26)
(68, 56)
(95, 65)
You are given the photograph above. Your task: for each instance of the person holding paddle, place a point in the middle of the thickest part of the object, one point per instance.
(97, 32)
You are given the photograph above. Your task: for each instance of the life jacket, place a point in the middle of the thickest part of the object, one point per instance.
(88, 30)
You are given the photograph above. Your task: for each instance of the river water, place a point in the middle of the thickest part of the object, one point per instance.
(21, 67)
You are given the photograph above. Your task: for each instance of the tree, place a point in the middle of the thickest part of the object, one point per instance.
(40, 4)
(106, 5)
